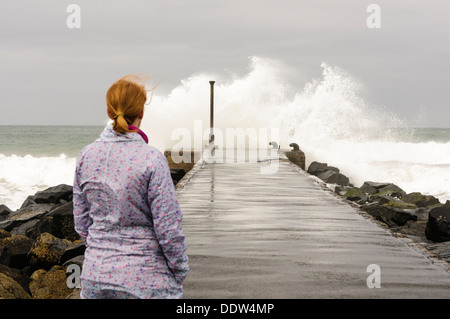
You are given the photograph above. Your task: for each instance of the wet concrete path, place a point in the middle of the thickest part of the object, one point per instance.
(253, 235)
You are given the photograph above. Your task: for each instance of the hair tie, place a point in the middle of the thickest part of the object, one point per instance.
(120, 114)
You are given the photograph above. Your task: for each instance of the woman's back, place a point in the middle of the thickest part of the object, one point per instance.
(127, 211)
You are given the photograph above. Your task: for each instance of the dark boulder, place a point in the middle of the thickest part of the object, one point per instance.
(438, 225)
(401, 217)
(368, 188)
(59, 223)
(316, 168)
(381, 189)
(11, 289)
(4, 234)
(393, 202)
(375, 185)
(74, 250)
(47, 251)
(333, 177)
(296, 156)
(392, 190)
(51, 284)
(177, 174)
(21, 277)
(23, 215)
(389, 214)
(53, 195)
(341, 190)
(328, 174)
(26, 228)
(4, 212)
(14, 251)
(386, 199)
(421, 213)
(78, 260)
(420, 200)
(355, 194)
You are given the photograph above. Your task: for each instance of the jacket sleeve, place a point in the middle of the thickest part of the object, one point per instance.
(81, 217)
(167, 217)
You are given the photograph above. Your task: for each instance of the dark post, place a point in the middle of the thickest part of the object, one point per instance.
(211, 118)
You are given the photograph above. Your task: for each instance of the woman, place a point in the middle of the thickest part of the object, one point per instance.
(126, 210)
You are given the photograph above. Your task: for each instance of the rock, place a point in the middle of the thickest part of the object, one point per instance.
(441, 249)
(420, 200)
(355, 194)
(392, 190)
(78, 260)
(315, 168)
(15, 250)
(398, 204)
(11, 289)
(368, 189)
(29, 201)
(50, 284)
(401, 217)
(438, 225)
(341, 190)
(389, 214)
(375, 185)
(386, 199)
(4, 212)
(18, 275)
(47, 251)
(333, 177)
(75, 294)
(5, 224)
(382, 189)
(4, 234)
(296, 156)
(24, 215)
(421, 213)
(75, 249)
(177, 174)
(26, 229)
(58, 222)
(52, 195)
(328, 174)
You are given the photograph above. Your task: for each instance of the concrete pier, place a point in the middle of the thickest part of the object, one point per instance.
(281, 235)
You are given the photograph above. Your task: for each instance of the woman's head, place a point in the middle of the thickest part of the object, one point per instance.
(125, 102)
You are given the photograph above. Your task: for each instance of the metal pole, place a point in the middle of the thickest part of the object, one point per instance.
(211, 116)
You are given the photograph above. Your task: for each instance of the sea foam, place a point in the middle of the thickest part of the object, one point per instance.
(21, 176)
(328, 117)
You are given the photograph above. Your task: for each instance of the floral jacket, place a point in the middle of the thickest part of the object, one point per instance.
(126, 211)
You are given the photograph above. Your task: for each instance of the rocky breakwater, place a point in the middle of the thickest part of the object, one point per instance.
(37, 244)
(422, 218)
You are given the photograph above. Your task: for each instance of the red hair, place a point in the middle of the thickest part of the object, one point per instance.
(125, 101)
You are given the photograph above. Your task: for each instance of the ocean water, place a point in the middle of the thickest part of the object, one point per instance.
(33, 158)
(327, 117)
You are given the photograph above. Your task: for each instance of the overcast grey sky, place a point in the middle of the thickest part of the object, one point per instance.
(55, 75)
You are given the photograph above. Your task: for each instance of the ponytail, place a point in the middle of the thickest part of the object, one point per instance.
(125, 101)
(120, 125)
